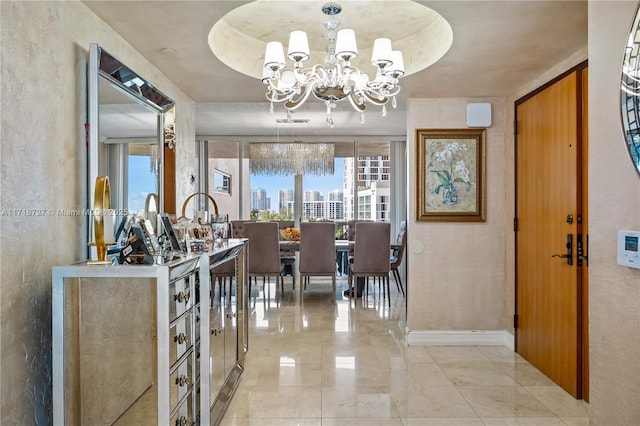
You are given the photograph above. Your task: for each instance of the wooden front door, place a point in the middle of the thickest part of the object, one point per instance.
(549, 231)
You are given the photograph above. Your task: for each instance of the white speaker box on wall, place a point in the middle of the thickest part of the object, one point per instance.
(479, 115)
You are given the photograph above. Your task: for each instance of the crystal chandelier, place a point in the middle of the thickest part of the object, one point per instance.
(337, 79)
(281, 159)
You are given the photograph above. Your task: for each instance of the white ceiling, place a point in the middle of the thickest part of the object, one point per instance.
(498, 46)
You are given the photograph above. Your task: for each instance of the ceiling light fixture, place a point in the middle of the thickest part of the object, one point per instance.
(337, 79)
(284, 159)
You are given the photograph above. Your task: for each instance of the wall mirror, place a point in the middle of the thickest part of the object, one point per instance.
(630, 93)
(126, 122)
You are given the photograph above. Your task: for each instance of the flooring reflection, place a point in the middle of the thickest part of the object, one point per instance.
(315, 360)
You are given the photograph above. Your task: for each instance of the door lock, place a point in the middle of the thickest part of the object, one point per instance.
(569, 254)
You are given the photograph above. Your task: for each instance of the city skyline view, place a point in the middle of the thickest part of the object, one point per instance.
(322, 184)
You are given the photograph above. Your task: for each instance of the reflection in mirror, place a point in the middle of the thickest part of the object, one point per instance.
(126, 140)
(221, 182)
(630, 93)
(126, 121)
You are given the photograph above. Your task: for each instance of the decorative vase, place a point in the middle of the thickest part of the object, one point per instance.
(450, 195)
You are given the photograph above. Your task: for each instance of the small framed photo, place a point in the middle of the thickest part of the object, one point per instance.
(451, 175)
(171, 233)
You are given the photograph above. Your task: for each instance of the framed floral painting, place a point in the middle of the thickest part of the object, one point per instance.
(451, 175)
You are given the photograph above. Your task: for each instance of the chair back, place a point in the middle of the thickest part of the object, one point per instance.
(264, 249)
(317, 248)
(351, 228)
(401, 241)
(237, 228)
(372, 248)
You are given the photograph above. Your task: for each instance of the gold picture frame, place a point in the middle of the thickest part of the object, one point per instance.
(451, 175)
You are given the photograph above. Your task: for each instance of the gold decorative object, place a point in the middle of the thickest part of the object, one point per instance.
(184, 205)
(101, 203)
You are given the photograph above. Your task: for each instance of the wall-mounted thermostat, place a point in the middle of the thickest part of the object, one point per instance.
(628, 249)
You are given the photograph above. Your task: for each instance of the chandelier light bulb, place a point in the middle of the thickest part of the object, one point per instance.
(396, 68)
(381, 55)
(346, 47)
(298, 46)
(287, 81)
(274, 56)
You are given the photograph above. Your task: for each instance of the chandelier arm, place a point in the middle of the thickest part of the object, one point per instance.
(358, 106)
(292, 104)
(277, 97)
(392, 91)
(375, 100)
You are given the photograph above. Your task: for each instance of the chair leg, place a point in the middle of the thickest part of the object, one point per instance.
(398, 280)
(333, 287)
(386, 279)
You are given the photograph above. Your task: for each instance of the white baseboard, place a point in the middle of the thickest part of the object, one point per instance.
(460, 338)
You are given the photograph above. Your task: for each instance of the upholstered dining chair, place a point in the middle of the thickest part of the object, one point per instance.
(371, 255)
(264, 252)
(398, 255)
(317, 252)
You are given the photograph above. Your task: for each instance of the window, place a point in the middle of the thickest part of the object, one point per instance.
(358, 189)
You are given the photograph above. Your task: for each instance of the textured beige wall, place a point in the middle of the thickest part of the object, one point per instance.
(457, 282)
(467, 296)
(43, 167)
(614, 204)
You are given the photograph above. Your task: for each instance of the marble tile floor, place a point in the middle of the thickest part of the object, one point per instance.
(315, 362)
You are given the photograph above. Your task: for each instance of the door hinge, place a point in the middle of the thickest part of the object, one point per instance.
(515, 321)
(515, 224)
(515, 127)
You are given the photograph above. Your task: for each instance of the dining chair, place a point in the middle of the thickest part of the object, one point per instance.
(371, 255)
(264, 252)
(398, 255)
(317, 252)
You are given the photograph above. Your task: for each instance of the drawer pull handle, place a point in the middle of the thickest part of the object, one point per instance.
(216, 332)
(183, 296)
(181, 338)
(232, 315)
(182, 381)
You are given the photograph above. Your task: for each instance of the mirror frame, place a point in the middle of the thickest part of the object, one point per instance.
(630, 93)
(104, 65)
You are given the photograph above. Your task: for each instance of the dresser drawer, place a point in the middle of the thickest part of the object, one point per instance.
(180, 297)
(180, 338)
(183, 415)
(181, 381)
